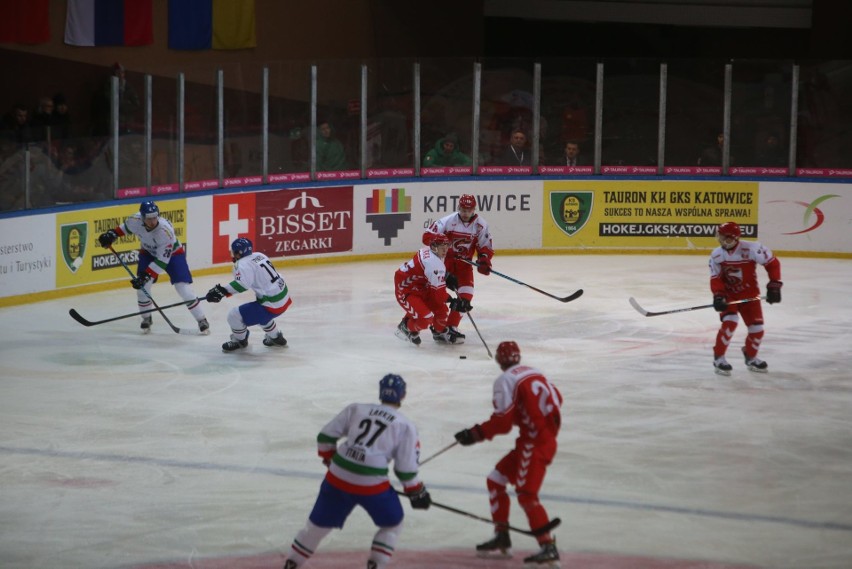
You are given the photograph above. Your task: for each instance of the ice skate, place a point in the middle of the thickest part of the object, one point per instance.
(722, 366)
(456, 337)
(755, 363)
(278, 340)
(447, 336)
(203, 327)
(548, 556)
(498, 547)
(403, 333)
(234, 344)
(147, 321)
(290, 564)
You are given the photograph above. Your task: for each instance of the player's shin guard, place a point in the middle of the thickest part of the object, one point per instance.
(536, 514)
(186, 292)
(753, 340)
(306, 543)
(723, 337)
(383, 545)
(498, 498)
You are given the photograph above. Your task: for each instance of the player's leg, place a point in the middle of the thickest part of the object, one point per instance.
(500, 545)
(386, 512)
(527, 488)
(181, 279)
(143, 300)
(752, 314)
(729, 320)
(330, 511)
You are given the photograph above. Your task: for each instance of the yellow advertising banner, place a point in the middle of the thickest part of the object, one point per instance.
(639, 214)
(80, 258)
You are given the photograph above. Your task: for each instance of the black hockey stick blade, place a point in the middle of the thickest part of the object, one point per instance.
(79, 317)
(644, 312)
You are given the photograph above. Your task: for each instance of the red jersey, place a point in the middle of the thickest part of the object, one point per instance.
(423, 274)
(733, 273)
(466, 239)
(524, 397)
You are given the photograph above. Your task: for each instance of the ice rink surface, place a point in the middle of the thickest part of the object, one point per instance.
(123, 450)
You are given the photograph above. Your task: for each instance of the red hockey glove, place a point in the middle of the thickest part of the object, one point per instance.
(773, 292)
(326, 457)
(483, 265)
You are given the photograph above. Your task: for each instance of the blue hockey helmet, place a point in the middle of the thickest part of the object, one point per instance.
(241, 247)
(149, 209)
(392, 389)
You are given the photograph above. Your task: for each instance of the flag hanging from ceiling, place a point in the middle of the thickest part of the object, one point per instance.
(25, 21)
(212, 24)
(109, 22)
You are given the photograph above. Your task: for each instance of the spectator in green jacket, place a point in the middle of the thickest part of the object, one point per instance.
(446, 153)
(330, 153)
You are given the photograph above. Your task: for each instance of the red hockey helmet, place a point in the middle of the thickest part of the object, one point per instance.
(439, 239)
(728, 234)
(508, 354)
(467, 201)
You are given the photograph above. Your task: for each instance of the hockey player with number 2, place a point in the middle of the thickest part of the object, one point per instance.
(161, 252)
(733, 276)
(469, 237)
(522, 397)
(253, 271)
(358, 446)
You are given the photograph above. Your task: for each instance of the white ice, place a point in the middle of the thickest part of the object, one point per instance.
(120, 449)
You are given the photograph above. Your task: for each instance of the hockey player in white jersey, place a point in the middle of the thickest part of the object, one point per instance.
(358, 446)
(161, 252)
(253, 271)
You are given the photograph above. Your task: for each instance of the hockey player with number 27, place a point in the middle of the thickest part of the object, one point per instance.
(358, 446)
(253, 271)
(733, 276)
(469, 237)
(522, 396)
(161, 252)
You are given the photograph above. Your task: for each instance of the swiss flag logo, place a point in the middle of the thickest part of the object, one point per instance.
(233, 216)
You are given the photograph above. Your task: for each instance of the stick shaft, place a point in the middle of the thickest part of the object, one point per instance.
(145, 291)
(440, 452)
(79, 318)
(575, 295)
(644, 312)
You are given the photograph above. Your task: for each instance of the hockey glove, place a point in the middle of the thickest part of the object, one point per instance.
(460, 305)
(420, 498)
(108, 238)
(470, 436)
(140, 281)
(217, 293)
(773, 292)
(451, 281)
(483, 265)
(719, 303)
(326, 457)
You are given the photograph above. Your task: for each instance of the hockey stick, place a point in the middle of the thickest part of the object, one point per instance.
(440, 452)
(487, 349)
(644, 312)
(76, 315)
(144, 290)
(552, 524)
(573, 296)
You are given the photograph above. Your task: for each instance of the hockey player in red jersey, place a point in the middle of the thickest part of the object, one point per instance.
(469, 237)
(733, 276)
(422, 293)
(522, 397)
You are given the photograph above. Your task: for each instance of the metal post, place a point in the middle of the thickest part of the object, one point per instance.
(794, 121)
(113, 118)
(536, 133)
(661, 124)
(416, 110)
(149, 130)
(265, 126)
(726, 120)
(474, 140)
(220, 121)
(363, 137)
(599, 86)
(181, 127)
(313, 122)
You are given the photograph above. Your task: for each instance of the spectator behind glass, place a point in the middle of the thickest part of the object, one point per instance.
(16, 125)
(128, 103)
(61, 118)
(330, 153)
(446, 153)
(43, 119)
(712, 155)
(516, 154)
(769, 152)
(571, 154)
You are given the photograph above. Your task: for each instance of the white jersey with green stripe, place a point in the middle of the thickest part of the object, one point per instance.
(255, 272)
(161, 242)
(375, 435)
